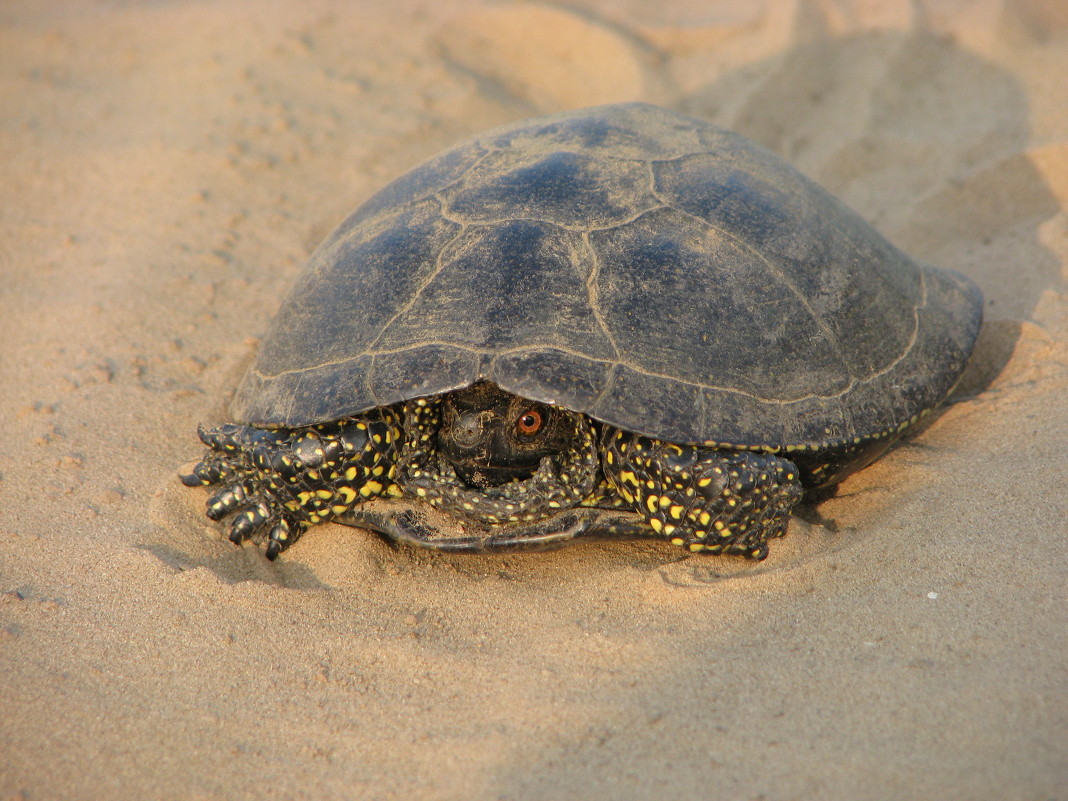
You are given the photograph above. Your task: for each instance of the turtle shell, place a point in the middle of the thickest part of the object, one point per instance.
(643, 267)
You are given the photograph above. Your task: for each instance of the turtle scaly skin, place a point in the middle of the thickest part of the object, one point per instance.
(282, 482)
(708, 500)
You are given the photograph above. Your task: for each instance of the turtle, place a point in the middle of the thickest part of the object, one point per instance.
(619, 321)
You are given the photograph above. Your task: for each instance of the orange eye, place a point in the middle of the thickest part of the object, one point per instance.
(530, 422)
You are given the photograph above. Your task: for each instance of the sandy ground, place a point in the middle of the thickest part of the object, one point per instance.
(166, 169)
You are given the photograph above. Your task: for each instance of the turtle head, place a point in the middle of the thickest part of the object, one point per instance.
(492, 437)
(497, 458)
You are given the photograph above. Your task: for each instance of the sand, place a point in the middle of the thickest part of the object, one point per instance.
(167, 168)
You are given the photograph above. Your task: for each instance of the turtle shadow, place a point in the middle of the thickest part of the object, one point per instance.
(810, 536)
(185, 539)
(993, 351)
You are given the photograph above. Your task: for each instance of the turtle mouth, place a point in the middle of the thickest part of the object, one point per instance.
(560, 481)
(477, 477)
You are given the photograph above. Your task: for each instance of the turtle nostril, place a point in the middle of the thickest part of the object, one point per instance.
(467, 430)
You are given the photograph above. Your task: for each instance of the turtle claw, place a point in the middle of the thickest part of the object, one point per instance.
(235, 463)
(278, 483)
(223, 439)
(190, 477)
(230, 498)
(227, 458)
(212, 469)
(247, 523)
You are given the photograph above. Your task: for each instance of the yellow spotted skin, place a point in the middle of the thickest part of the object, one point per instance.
(281, 482)
(707, 500)
(560, 483)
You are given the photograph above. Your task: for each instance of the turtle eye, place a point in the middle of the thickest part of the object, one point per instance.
(530, 422)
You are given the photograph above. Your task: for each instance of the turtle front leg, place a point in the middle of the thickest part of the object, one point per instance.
(705, 499)
(285, 481)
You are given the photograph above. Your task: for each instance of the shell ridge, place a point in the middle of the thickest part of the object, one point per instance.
(915, 331)
(593, 297)
(438, 267)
